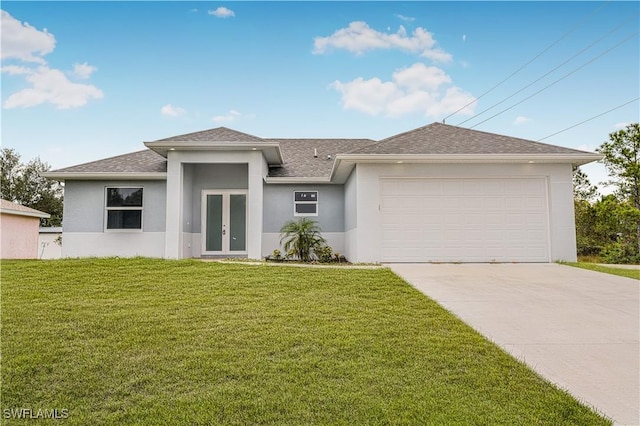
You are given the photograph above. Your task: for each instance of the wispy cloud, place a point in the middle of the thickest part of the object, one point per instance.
(464, 37)
(83, 71)
(405, 18)
(23, 43)
(222, 12)
(232, 115)
(52, 86)
(416, 89)
(521, 119)
(621, 125)
(172, 111)
(359, 37)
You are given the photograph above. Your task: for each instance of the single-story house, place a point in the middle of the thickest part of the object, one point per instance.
(19, 228)
(438, 193)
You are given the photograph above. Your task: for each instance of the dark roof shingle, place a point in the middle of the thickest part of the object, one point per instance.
(146, 161)
(219, 134)
(437, 138)
(299, 160)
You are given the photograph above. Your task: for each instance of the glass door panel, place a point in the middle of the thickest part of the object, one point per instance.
(214, 223)
(237, 222)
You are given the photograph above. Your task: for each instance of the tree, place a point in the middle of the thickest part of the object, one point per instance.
(622, 160)
(582, 188)
(24, 184)
(303, 237)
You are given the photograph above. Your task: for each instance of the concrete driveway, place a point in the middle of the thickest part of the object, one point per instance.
(579, 329)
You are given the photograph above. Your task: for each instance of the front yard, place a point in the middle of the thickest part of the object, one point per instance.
(144, 341)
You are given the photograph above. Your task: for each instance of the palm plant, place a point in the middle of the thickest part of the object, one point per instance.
(302, 237)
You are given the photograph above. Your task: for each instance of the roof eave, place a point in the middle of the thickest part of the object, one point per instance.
(62, 176)
(41, 215)
(270, 150)
(298, 180)
(576, 159)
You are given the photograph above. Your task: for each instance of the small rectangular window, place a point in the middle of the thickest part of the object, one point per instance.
(305, 203)
(123, 208)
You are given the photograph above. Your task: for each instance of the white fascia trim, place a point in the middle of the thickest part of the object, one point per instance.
(23, 213)
(104, 176)
(297, 180)
(581, 158)
(163, 147)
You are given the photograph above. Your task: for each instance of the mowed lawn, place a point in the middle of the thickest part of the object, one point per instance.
(142, 341)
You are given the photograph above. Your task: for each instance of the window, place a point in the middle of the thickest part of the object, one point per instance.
(124, 208)
(305, 203)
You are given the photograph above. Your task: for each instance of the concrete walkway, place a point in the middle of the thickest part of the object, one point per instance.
(579, 329)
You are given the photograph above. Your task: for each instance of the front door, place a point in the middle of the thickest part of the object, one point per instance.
(224, 222)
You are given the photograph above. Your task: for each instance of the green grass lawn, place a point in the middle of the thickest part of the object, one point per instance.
(187, 342)
(629, 273)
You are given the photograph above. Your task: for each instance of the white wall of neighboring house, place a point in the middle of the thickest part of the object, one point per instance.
(50, 243)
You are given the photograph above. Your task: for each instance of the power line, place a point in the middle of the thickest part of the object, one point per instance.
(556, 81)
(589, 119)
(578, 25)
(551, 71)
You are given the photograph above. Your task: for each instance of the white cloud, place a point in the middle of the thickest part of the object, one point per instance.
(83, 71)
(405, 18)
(171, 111)
(620, 126)
(52, 86)
(416, 89)
(232, 115)
(585, 147)
(521, 119)
(464, 37)
(222, 12)
(358, 38)
(24, 42)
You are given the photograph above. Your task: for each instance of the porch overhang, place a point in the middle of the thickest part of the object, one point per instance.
(270, 150)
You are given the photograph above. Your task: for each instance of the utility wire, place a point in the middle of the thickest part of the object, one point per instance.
(556, 81)
(565, 35)
(589, 119)
(551, 71)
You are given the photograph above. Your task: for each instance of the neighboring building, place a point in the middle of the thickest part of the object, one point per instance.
(438, 193)
(19, 228)
(50, 243)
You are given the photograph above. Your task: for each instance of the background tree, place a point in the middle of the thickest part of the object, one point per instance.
(622, 160)
(23, 183)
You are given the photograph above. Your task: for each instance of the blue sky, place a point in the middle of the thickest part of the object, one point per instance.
(86, 80)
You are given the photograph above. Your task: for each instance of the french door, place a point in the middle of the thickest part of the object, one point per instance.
(224, 222)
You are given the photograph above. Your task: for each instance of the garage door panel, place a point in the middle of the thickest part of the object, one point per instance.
(464, 220)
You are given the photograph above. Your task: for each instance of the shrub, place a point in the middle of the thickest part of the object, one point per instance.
(324, 253)
(302, 237)
(620, 252)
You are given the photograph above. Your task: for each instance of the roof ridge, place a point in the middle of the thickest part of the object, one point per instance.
(185, 136)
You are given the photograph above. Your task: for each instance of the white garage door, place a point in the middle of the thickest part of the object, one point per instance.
(464, 220)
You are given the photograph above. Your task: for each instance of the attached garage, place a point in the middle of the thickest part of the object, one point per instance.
(464, 219)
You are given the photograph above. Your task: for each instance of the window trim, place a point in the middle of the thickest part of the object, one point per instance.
(316, 203)
(120, 208)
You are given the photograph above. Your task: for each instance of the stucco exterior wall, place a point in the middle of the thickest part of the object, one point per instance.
(48, 248)
(19, 236)
(367, 233)
(84, 231)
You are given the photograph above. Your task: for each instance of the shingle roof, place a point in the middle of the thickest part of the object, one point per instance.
(10, 207)
(299, 160)
(219, 134)
(298, 154)
(437, 138)
(146, 161)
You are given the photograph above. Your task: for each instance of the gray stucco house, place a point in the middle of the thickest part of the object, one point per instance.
(438, 193)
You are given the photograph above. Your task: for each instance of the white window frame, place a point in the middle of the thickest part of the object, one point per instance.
(316, 203)
(107, 209)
